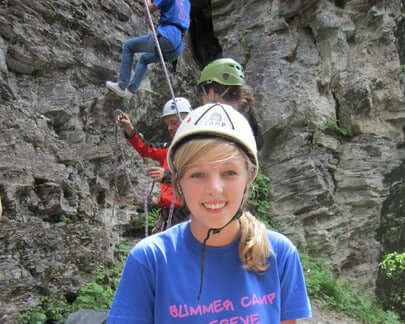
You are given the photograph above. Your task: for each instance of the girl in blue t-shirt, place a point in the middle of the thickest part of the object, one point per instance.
(223, 266)
(173, 23)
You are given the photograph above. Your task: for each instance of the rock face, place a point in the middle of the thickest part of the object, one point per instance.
(329, 97)
(87, 317)
(320, 67)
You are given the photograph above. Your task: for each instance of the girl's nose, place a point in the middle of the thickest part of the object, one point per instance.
(215, 184)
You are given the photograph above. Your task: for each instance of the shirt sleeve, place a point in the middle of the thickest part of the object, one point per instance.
(159, 3)
(295, 302)
(148, 151)
(134, 299)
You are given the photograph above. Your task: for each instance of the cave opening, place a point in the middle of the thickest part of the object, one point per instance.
(340, 3)
(205, 45)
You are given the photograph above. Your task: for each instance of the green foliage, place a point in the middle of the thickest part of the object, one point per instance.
(391, 234)
(122, 252)
(390, 282)
(153, 218)
(96, 294)
(338, 296)
(393, 263)
(402, 68)
(332, 125)
(137, 225)
(54, 306)
(65, 219)
(34, 316)
(259, 199)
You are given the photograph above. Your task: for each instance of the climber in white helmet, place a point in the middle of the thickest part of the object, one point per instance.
(170, 115)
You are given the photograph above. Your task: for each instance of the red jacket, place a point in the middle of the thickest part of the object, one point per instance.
(158, 154)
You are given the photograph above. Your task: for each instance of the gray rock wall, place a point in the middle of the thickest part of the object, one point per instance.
(319, 68)
(57, 143)
(313, 63)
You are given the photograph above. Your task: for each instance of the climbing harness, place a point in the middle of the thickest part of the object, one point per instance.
(161, 58)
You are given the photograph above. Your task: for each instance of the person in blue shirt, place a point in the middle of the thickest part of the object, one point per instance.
(173, 24)
(222, 266)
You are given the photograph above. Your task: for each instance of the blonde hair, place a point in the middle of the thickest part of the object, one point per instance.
(254, 246)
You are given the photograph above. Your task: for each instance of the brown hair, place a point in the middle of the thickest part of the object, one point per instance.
(240, 97)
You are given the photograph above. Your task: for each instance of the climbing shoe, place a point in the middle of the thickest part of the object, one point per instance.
(114, 87)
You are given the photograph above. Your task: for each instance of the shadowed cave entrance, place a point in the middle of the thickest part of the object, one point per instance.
(205, 45)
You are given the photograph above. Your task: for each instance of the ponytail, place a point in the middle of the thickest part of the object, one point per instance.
(254, 246)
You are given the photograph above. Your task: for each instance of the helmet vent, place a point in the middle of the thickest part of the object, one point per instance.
(215, 118)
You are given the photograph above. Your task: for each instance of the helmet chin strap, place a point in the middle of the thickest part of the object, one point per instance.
(237, 215)
(204, 91)
(217, 230)
(214, 231)
(224, 93)
(219, 95)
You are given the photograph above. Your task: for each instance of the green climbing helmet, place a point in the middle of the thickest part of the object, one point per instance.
(224, 71)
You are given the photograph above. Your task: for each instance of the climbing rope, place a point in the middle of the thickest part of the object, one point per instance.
(116, 137)
(169, 218)
(119, 150)
(171, 92)
(162, 58)
(145, 207)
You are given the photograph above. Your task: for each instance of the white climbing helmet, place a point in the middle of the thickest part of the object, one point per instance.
(216, 120)
(183, 106)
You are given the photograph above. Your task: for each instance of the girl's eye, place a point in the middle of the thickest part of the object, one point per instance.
(230, 173)
(196, 175)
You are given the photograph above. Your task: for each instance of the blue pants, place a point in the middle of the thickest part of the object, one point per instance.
(146, 45)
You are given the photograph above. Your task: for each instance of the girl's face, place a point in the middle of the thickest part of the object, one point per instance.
(213, 187)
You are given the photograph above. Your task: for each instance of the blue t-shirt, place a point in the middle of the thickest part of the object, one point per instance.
(161, 279)
(174, 20)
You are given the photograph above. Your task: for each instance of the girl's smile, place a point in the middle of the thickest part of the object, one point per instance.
(214, 206)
